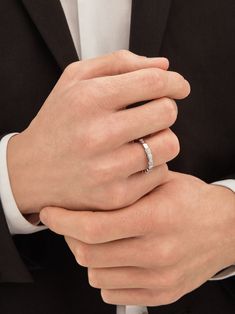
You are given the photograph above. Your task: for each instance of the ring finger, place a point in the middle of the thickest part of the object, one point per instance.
(164, 147)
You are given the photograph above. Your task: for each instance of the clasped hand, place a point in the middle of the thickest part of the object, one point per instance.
(158, 249)
(79, 153)
(145, 238)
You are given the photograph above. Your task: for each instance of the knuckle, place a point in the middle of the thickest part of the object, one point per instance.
(71, 70)
(179, 78)
(83, 255)
(102, 173)
(150, 297)
(121, 58)
(171, 109)
(81, 94)
(169, 298)
(167, 254)
(90, 233)
(93, 278)
(153, 296)
(154, 79)
(183, 85)
(171, 280)
(175, 294)
(163, 255)
(95, 139)
(122, 54)
(106, 296)
(172, 145)
(102, 136)
(91, 140)
(91, 93)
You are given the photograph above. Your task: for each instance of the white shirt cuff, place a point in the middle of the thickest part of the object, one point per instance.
(224, 274)
(230, 271)
(230, 184)
(16, 222)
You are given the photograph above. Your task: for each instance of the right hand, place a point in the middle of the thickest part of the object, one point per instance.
(78, 152)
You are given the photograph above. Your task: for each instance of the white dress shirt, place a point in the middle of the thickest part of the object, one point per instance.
(97, 28)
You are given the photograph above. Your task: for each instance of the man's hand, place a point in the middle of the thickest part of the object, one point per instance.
(78, 152)
(157, 250)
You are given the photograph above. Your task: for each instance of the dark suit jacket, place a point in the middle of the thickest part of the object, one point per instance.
(38, 274)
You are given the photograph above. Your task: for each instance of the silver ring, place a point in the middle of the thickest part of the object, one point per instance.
(148, 153)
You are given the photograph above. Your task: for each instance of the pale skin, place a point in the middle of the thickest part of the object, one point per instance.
(145, 238)
(79, 151)
(157, 250)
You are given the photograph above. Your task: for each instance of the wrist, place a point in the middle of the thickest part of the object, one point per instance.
(226, 227)
(22, 174)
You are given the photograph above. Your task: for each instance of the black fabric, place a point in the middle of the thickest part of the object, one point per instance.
(50, 21)
(149, 20)
(12, 268)
(212, 298)
(198, 38)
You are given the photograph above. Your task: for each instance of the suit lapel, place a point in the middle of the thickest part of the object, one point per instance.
(148, 23)
(49, 19)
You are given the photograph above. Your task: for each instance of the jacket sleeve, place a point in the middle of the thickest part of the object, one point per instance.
(12, 268)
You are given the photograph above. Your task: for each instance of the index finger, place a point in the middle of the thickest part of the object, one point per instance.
(115, 63)
(119, 91)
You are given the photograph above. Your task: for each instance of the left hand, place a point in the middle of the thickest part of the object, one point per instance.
(158, 249)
